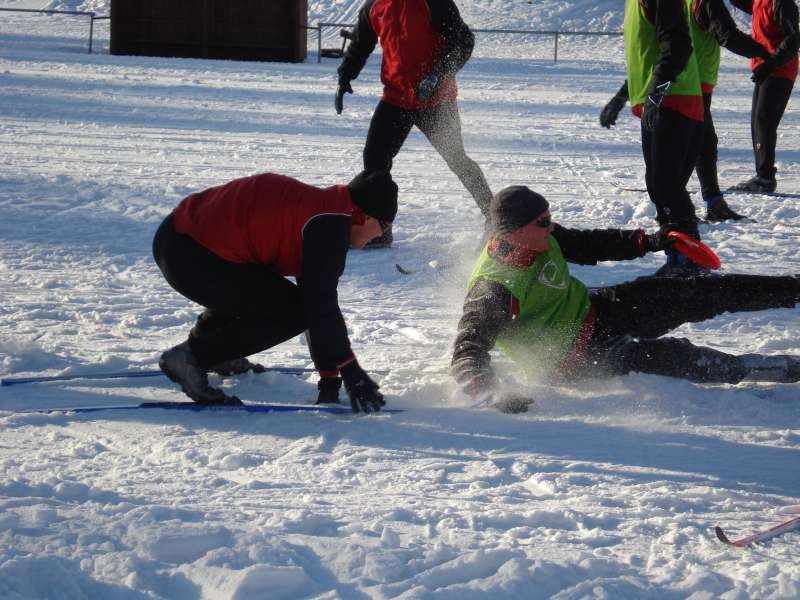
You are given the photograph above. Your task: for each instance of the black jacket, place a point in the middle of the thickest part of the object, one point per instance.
(489, 307)
(674, 39)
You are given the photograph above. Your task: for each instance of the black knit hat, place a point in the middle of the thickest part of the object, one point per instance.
(514, 207)
(375, 193)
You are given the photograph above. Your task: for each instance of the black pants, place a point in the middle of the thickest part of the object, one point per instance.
(706, 164)
(249, 308)
(632, 316)
(670, 153)
(769, 102)
(441, 124)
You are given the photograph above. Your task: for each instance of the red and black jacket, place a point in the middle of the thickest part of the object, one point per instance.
(775, 26)
(418, 37)
(297, 229)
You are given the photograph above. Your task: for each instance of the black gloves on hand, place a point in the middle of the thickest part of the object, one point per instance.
(609, 114)
(427, 87)
(329, 390)
(483, 391)
(764, 70)
(344, 88)
(655, 242)
(651, 113)
(363, 392)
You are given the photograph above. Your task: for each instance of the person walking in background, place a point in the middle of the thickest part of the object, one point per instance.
(775, 26)
(522, 298)
(663, 85)
(231, 248)
(710, 26)
(425, 43)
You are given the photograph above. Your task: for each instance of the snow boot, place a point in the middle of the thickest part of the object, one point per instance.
(237, 366)
(717, 210)
(180, 365)
(781, 368)
(678, 265)
(756, 184)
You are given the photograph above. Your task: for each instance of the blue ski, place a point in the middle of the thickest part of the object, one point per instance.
(129, 374)
(193, 406)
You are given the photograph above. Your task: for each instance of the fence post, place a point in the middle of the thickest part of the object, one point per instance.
(319, 42)
(555, 48)
(91, 31)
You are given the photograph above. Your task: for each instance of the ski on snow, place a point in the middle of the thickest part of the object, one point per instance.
(129, 374)
(217, 408)
(761, 536)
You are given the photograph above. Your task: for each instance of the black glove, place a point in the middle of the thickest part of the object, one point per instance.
(655, 242)
(609, 114)
(363, 392)
(427, 87)
(764, 70)
(329, 390)
(651, 113)
(344, 88)
(511, 403)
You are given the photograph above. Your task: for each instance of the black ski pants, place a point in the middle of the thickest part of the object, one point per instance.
(249, 307)
(769, 102)
(706, 164)
(632, 316)
(441, 124)
(670, 154)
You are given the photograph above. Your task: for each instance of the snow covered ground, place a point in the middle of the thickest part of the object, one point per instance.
(608, 490)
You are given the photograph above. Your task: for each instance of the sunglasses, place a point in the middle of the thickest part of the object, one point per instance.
(544, 222)
(384, 225)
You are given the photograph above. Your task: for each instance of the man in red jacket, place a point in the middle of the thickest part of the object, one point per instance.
(775, 26)
(425, 43)
(231, 248)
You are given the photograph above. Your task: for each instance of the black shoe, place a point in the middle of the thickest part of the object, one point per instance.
(180, 365)
(718, 211)
(756, 184)
(780, 368)
(382, 241)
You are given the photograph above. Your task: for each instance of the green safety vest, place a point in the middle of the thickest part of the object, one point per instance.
(552, 307)
(641, 56)
(706, 49)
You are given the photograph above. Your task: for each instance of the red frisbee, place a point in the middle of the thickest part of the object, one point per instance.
(695, 250)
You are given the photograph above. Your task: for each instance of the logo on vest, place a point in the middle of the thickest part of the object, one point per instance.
(552, 276)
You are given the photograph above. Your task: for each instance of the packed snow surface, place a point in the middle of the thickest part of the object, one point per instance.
(608, 489)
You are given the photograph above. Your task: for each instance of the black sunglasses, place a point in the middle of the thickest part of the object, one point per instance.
(544, 222)
(384, 225)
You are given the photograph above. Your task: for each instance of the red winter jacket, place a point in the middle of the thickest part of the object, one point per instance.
(775, 26)
(418, 38)
(297, 229)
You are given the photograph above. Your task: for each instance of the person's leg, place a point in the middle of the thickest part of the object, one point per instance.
(249, 308)
(388, 130)
(442, 126)
(678, 357)
(773, 97)
(651, 307)
(706, 164)
(670, 154)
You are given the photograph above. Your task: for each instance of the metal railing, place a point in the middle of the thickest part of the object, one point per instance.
(92, 17)
(555, 34)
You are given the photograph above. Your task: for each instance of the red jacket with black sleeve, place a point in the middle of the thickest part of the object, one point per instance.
(418, 37)
(775, 26)
(296, 229)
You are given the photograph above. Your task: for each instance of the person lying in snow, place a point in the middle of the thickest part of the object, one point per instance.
(231, 248)
(522, 298)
